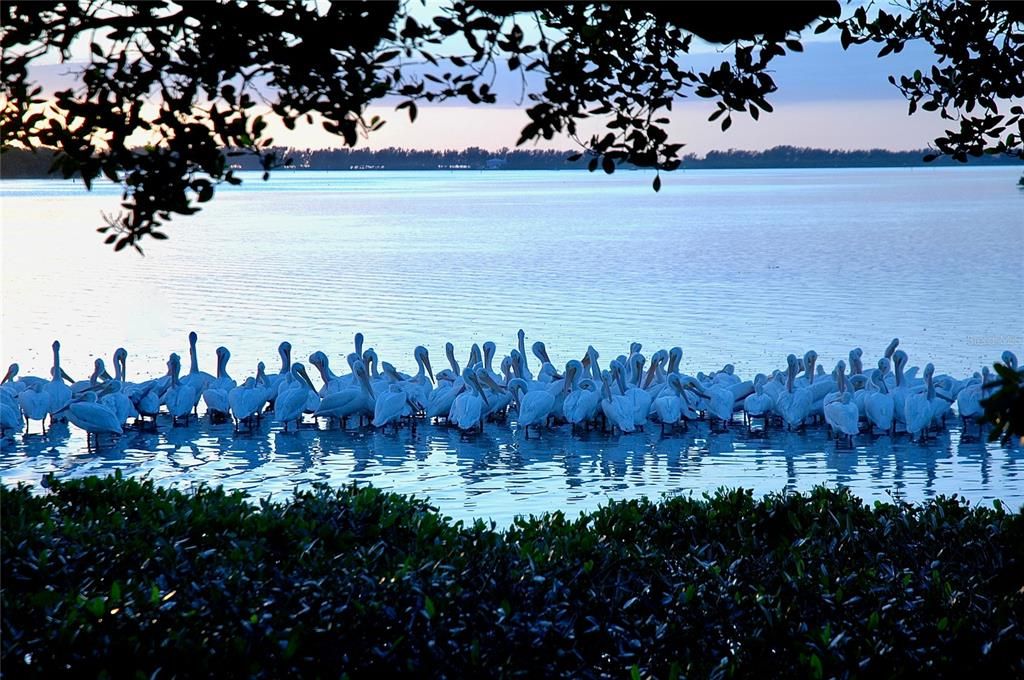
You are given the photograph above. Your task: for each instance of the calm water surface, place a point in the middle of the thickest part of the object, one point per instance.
(737, 266)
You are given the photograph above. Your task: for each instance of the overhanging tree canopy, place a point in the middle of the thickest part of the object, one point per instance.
(194, 77)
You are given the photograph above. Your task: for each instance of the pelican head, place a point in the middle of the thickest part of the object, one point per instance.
(1010, 359)
(518, 384)
(174, 367)
(359, 343)
(675, 357)
(422, 355)
(318, 359)
(541, 352)
(810, 357)
(299, 371)
(351, 359)
(449, 351)
(892, 348)
(285, 350)
(573, 367)
(390, 371)
(471, 377)
(12, 372)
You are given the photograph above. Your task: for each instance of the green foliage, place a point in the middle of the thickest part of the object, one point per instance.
(1004, 410)
(982, 39)
(115, 576)
(190, 76)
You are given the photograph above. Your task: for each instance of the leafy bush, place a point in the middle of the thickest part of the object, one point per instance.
(120, 577)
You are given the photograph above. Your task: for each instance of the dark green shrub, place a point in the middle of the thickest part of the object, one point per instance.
(122, 578)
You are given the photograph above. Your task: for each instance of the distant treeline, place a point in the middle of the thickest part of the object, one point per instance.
(17, 163)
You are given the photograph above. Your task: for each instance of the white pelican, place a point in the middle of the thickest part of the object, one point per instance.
(639, 399)
(449, 351)
(14, 385)
(114, 398)
(656, 380)
(93, 417)
(499, 398)
(817, 382)
(196, 379)
(291, 402)
(10, 415)
(669, 407)
(420, 385)
(840, 374)
(579, 405)
(891, 349)
(616, 408)
(918, 407)
(274, 380)
(392, 405)
(99, 370)
(332, 382)
(879, 406)
(968, 402)
(216, 393)
(524, 369)
(727, 376)
(794, 405)
(843, 417)
(147, 400)
(945, 397)
(246, 401)
(775, 386)
(1009, 359)
(179, 397)
(534, 405)
(541, 352)
(56, 391)
(35, 405)
(357, 400)
(759, 404)
(468, 408)
(901, 390)
(489, 350)
(449, 385)
(475, 357)
(856, 361)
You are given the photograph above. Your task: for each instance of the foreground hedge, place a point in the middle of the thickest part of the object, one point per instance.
(121, 577)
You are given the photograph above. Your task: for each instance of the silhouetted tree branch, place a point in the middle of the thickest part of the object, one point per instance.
(192, 78)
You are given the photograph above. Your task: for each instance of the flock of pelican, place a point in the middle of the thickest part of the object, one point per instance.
(888, 399)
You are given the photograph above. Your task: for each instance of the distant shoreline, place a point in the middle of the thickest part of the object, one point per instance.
(21, 164)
